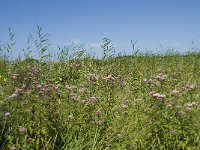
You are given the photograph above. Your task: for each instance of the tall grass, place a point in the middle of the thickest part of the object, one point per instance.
(132, 102)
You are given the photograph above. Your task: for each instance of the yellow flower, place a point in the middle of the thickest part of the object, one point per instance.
(2, 78)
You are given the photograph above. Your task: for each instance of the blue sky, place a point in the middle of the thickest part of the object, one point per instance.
(170, 23)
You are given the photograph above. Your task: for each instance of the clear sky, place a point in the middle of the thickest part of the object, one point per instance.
(170, 23)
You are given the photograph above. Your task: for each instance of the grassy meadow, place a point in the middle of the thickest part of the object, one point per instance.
(136, 102)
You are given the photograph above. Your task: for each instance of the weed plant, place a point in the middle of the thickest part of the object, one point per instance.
(133, 102)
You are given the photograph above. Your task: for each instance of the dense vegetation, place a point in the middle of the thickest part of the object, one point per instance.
(134, 102)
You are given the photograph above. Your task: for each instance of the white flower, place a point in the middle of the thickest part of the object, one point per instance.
(7, 114)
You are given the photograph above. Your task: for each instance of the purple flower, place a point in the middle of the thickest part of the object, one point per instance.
(110, 78)
(100, 122)
(188, 108)
(99, 112)
(178, 106)
(158, 96)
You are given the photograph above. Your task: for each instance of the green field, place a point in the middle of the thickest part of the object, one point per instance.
(132, 102)
(140, 101)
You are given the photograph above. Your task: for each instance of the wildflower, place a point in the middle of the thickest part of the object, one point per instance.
(178, 106)
(19, 91)
(7, 115)
(74, 96)
(189, 104)
(161, 77)
(22, 130)
(83, 101)
(35, 70)
(83, 90)
(92, 78)
(159, 96)
(181, 113)
(38, 86)
(93, 100)
(125, 106)
(14, 95)
(151, 93)
(175, 92)
(110, 78)
(169, 104)
(98, 112)
(100, 122)
(188, 108)
(191, 87)
(2, 78)
(194, 103)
